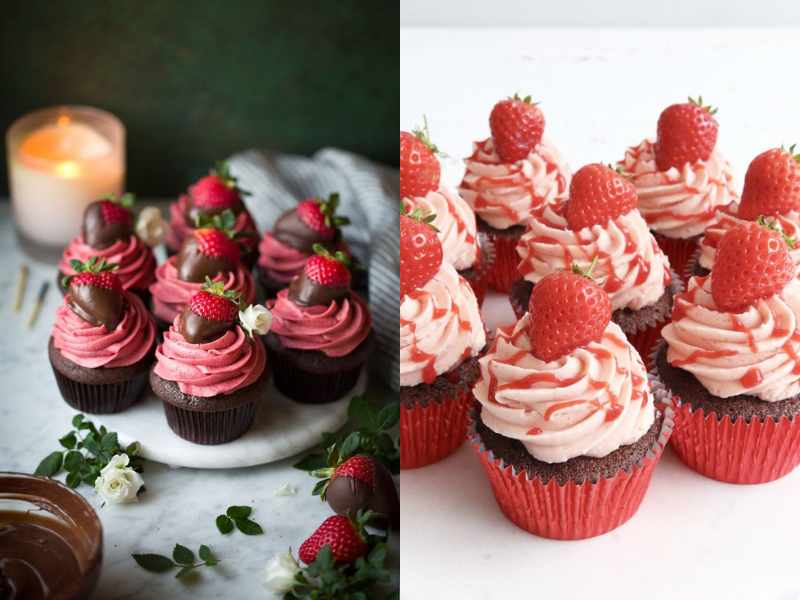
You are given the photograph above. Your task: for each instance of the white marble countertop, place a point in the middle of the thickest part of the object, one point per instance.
(180, 505)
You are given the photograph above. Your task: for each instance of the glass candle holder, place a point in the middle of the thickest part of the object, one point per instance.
(59, 160)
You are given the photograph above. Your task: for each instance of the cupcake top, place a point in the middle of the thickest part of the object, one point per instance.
(736, 330)
(210, 349)
(564, 380)
(319, 311)
(454, 222)
(681, 178)
(606, 230)
(99, 324)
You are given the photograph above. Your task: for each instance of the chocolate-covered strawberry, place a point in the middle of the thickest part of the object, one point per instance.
(325, 277)
(210, 313)
(344, 535)
(208, 251)
(95, 292)
(362, 483)
(215, 193)
(108, 220)
(312, 221)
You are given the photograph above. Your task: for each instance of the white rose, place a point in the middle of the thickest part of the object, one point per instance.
(150, 226)
(118, 483)
(256, 318)
(279, 576)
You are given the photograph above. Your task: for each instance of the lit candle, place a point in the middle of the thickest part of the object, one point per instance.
(60, 160)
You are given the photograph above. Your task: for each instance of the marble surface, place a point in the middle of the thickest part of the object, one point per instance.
(180, 505)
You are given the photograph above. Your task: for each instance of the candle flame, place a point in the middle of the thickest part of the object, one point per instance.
(63, 121)
(68, 169)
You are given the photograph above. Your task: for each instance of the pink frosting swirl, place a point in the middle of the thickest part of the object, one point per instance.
(280, 261)
(505, 194)
(679, 203)
(335, 330)
(171, 294)
(94, 346)
(179, 228)
(136, 262)
(229, 363)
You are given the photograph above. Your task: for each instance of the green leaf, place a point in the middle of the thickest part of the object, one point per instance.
(156, 563)
(239, 512)
(320, 487)
(109, 441)
(77, 420)
(91, 444)
(73, 461)
(50, 465)
(386, 444)
(311, 462)
(68, 441)
(73, 479)
(389, 416)
(361, 412)
(248, 527)
(350, 445)
(184, 571)
(182, 555)
(224, 524)
(377, 555)
(133, 449)
(207, 556)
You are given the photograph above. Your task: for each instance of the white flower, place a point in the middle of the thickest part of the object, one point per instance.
(255, 318)
(287, 489)
(118, 483)
(150, 226)
(279, 576)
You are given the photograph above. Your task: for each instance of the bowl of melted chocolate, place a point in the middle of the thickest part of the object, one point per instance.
(51, 540)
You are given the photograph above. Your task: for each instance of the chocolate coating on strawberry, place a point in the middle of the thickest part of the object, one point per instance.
(206, 253)
(325, 278)
(312, 221)
(214, 194)
(209, 314)
(95, 293)
(107, 221)
(364, 483)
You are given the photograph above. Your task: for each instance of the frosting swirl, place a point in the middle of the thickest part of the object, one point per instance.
(136, 261)
(280, 261)
(755, 352)
(171, 294)
(336, 329)
(679, 203)
(505, 194)
(94, 346)
(631, 267)
(455, 223)
(440, 327)
(229, 363)
(588, 403)
(179, 227)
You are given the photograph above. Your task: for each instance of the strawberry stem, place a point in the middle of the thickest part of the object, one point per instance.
(699, 102)
(338, 256)
(420, 215)
(773, 225)
(423, 134)
(218, 289)
(585, 271)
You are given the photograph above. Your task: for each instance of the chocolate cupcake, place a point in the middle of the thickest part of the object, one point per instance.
(107, 234)
(321, 334)
(208, 253)
(211, 371)
(208, 197)
(102, 343)
(283, 251)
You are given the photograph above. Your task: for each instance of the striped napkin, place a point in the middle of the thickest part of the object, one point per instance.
(369, 197)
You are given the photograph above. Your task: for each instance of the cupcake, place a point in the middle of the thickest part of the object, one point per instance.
(321, 333)
(731, 362)
(600, 227)
(206, 254)
(102, 343)
(283, 251)
(107, 235)
(441, 334)
(567, 429)
(771, 193)
(208, 197)
(211, 370)
(682, 179)
(508, 177)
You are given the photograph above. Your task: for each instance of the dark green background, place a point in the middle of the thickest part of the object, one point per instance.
(195, 81)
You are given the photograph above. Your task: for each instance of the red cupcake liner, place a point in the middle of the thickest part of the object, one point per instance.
(645, 341)
(432, 432)
(737, 451)
(504, 271)
(572, 511)
(678, 250)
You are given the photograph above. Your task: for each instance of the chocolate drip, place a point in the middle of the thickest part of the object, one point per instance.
(97, 233)
(292, 231)
(199, 330)
(96, 305)
(195, 266)
(307, 292)
(348, 495)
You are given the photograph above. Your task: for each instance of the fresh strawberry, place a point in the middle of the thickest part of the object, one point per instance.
(771, 185)
(517, 126)
(598, 194)
(320, 216)
(752, 262)
(331, 270)
(95, 292)
(344, 537)
(686, 133)
(419, 168)
(420, 251)
(216, 191)
(215, 243)
(214, 303)
(568, 310)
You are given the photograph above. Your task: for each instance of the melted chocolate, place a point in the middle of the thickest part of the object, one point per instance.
(307, 292)
(193, 212)
(195, 266)
(97, 233)
(96, 305)
(347, 495)
(292, 231)
(199, 330)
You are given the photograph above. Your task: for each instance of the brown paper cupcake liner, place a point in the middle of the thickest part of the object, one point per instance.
(101, 398)
(310, 388)
(210, 428)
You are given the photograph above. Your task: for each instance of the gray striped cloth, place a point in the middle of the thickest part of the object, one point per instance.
(369, 197)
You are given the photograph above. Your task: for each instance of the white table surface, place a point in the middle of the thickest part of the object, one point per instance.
(601, 90)
(180, 505)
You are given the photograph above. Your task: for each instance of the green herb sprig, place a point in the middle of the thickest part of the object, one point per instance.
(240, 517)
(182, 558)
